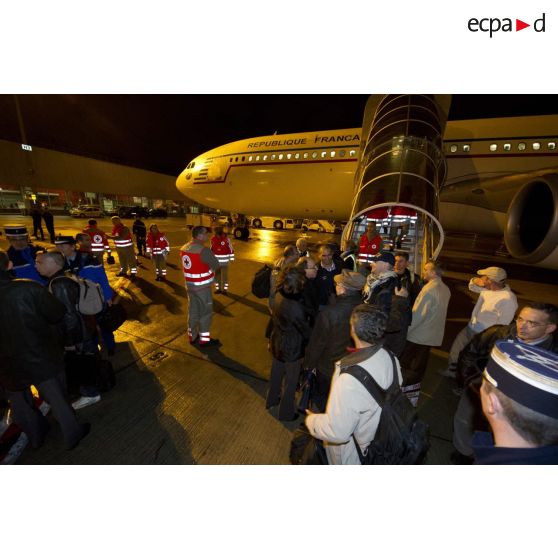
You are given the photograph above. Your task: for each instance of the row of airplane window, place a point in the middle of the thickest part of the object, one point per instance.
(295, 156)
(521, 146)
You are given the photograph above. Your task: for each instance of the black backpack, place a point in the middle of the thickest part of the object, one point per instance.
(261, 284)
(401, 437)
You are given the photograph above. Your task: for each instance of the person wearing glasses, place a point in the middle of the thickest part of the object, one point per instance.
(536, 326)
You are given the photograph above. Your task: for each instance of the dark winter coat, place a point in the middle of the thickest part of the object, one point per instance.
(397, 308)
(290, 331)
(331, 334)
(76, 330)
(31, 350)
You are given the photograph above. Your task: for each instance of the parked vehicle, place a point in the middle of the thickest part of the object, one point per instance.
(128, 212)
(277, 223)
(224, 221)
(318, 226)
(199, 219)
(86, 211)
(158, 212)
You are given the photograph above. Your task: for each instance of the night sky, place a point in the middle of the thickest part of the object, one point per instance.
(164, 132)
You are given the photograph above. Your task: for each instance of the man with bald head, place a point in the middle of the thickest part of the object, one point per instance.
(78, 331)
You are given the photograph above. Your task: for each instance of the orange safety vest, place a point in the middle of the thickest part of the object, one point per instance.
(196, 272)
(368, 248)
(99, 240)
(222, 248)
(122, 241)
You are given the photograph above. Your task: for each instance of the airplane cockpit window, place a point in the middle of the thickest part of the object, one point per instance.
(536, 145)
(493, 146)
(507, 146)
(521, 146)
(551, 145)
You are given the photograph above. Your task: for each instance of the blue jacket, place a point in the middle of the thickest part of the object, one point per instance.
(486, 453)
(87, 265)
(24, 264)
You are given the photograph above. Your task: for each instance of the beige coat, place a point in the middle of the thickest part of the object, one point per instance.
(429, 314)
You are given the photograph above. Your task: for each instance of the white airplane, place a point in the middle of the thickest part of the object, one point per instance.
(502, 177)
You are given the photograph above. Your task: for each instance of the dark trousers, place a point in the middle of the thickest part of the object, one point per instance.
(31, 420)
(37, 227)
(51, 233)
(282, 387)
(140, 244)
(413, 362)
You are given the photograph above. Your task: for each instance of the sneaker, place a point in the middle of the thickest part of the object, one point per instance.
(195, 341)
(210, 343)
(218, 291)
(86, 401)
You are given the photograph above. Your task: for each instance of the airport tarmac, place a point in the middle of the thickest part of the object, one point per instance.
(176, 405)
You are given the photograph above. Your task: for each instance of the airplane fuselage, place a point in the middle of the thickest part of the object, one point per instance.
(310, 175)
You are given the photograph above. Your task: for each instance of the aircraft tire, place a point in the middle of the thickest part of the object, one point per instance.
(278, 225)
(257, 223)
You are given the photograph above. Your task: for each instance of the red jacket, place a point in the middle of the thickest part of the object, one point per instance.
(367, 249)
(221, 246)
(99, 240)
(157, 243)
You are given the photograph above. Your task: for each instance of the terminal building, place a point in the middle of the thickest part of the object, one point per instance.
(35, 176)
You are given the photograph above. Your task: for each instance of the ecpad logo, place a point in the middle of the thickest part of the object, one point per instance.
(492, 25)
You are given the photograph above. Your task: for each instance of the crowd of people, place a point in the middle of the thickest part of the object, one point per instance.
(328, 312)
(365, 305)
(62, 309)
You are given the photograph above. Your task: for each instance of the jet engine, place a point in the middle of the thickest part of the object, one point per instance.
(531, 232)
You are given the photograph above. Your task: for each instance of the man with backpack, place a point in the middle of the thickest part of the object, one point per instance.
(352, 422)
(31, 354)
(78, 331)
